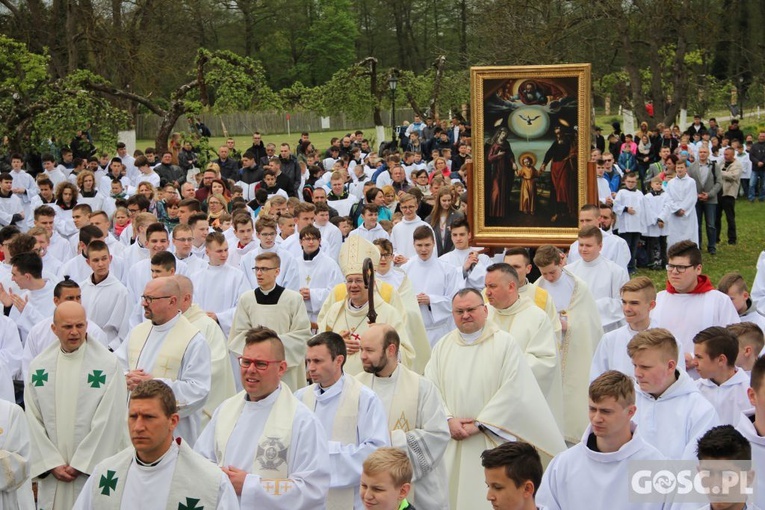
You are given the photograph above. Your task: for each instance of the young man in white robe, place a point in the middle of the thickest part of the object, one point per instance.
(671, 412)
(679, 213)
(603, 457)
(76, 406)
(35, 300)
(638, 298)
(350, 413)
(468, 261)
(158, 471)
(401, 235)
(305, 214)
(689, 289)
(77, 267)
(289, 274)
(41, 335)
(435, 283)
(16, 450)
(11, 352)
(720, 380)
(138, 251)
(103, 287)
(416, 418)
(244, 238)
(581, 329)
(348, 316)
(281, 309)
(101, 220)
(266, 417)
(332, 237)
(751, 342)
(24, 186)
(628, 206)
(11, 207)
(219, 285)
(200, 227)
(370, 228)
(222, 384)
(319, 273)
(603, 277)
(751, 424)
(168, 347)
(614, 248)
(513, 473)
(735, 287)
(157, 240)
(531, 330)
(183, 238)
(490, 396)
(520, 260)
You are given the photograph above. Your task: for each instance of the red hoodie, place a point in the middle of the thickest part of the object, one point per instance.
(703, 285)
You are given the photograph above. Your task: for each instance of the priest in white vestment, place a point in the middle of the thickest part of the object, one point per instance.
(352, 416)
(319, 273)
(581, 328)
(530, 328)
(280, 309)
(751, 424)
(435, 283)
(690, 290)
(15, 451)
(103, 287)
(168, 347)
(270, 445)
(603, 277)
(416, 418)
(671, 412)
(289, 274)
(217, 288)
(611, 443)
(221, 376)
(159, 471)
(75, 401)
(349, 317)
(490, 396)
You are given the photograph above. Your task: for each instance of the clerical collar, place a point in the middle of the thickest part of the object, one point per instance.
(269, 297)
(633, 189)
(311, 256)
(470, 338)
(167, 325)
(352, 306)
(93, 278)
(173, 448)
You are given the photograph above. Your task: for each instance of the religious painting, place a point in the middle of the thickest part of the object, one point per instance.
(531, 146)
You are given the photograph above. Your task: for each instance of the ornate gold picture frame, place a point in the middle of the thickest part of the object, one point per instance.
(531, 147)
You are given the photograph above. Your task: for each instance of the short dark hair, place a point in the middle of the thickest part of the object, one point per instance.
(165, 260)
(758, 373)
(192, 204)
(66, 283)
(154, 228)
(154, 388)
(196, 217)
(423, 232)
(310, 230)
(685, 248)
(28, 263)
(5, 176)
(718, 341)
(334, 343)
(263, 334)
(215, 237)
(96, 245)
(461, 221)
(520, 460)
(466, 291)
(723, 443)
(8, 232)
(88, 233)
(370, 208)
(141, 201)
(504, 268)
(518, 251)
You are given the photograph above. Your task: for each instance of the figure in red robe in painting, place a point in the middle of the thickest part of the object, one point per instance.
(562, 156)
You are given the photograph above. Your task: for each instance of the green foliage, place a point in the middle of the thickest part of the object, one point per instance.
(298, 97)
(348, 92)
(238, 83)
(331, 39)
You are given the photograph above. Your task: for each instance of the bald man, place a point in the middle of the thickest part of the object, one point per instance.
(416, 417)
(168, 347)
(221, 376)
(76, 404)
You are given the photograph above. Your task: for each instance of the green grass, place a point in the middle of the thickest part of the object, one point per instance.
(742, 257)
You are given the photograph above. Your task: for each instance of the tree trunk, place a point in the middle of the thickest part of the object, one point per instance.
(439, 66)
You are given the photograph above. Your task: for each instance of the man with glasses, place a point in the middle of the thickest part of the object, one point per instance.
(319, 273)
(278, 308)
(266, 232)
(258, 149)
(168, 347)
(490, 394)
(273, 449)
(691, 303)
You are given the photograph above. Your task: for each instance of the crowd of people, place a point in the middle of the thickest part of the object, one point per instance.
(215, 338)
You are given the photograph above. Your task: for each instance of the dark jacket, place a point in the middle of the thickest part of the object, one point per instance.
(445, 244)
(169, 173)
(251, 174)
(229, 169)
(291, 169)
(258, 150)
(757, 154)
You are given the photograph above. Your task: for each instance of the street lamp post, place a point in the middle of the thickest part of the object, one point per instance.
(392, 84)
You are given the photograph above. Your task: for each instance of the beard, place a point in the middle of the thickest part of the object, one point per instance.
(379, 367)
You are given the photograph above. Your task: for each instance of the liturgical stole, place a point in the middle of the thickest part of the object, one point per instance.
(170, 356)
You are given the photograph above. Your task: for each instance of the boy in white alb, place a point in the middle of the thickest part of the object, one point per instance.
(653, 203)
(401, 235)
(750, 344)
(370, 229)
(604, 190)
(628, 206)
(751, 424)
(671, 412)
(469, 261)
(734, 285)
(721, 382)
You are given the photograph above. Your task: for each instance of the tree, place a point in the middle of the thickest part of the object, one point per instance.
(332, 37)
(35, 107)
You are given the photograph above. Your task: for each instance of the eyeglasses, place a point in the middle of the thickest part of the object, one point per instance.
(184, 239)
(608, 160)
(459, 311)
(150, 299)
(386, 255)
(678, 267)
(309, 238)
(259, 269)
(261, 365)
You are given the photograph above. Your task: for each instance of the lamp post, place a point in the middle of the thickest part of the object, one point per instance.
(392, 84)
(741, 95)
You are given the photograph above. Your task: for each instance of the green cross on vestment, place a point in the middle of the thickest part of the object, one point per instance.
(39, 377)
(97, 378)
(191, 504)
(108, 483)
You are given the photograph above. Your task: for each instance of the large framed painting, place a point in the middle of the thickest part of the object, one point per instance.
(531, 147)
